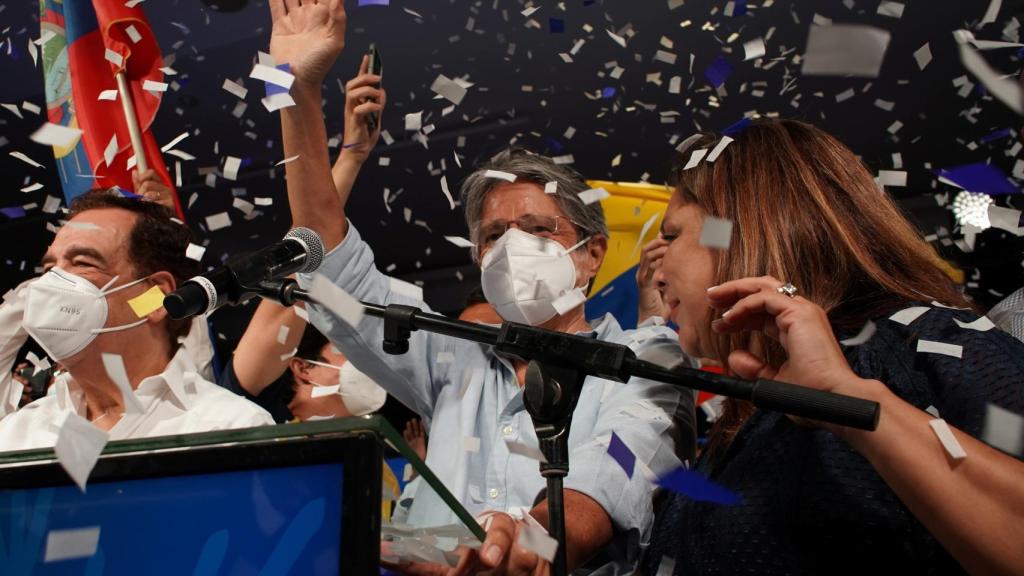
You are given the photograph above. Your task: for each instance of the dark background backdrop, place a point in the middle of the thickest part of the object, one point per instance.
(525, 93)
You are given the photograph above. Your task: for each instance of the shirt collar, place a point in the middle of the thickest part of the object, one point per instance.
(178, 376)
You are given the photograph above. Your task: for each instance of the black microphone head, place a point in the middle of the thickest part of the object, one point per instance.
(313, 244)
(192, 298)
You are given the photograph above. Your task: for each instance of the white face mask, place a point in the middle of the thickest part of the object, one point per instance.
(65, 312)
(359, 392)
(526, 277)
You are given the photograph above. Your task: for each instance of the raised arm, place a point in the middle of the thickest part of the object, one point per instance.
(358, 141)
(261, 357)
(309, 37)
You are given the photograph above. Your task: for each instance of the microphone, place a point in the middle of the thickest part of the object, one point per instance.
(301, 250)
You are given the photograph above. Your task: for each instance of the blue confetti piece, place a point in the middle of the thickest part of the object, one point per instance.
(621, 453)
(13, 212)
(979, 177)
(608, 92)
(696, 487)
(739, 8)
(718, 71)
(554, 144)
(737, 127)
(556, 25)
(998, 134)
(374, 3)
(274, 88)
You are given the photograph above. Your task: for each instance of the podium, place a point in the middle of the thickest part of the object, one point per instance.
(305, 499)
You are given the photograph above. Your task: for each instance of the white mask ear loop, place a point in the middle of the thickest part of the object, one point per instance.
(324, 364)
(578, 244)
(104, 293)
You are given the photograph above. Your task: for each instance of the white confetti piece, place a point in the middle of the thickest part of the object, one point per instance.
(470, 443)
(26, 159)
(110, 152)
(340, 303)
(195, 252)
(948, 440)
(499, 175)
(643, 232)
(133, 33)
(923, 56)
(753, 49)
(982, 324)
(863, 336)
(569, 300)
(175, 142)
(72, 543)
(319, 391)
(615, 37)
(459, 241)
(593, 195)
(531, 452)
(78, 447)
(529, 11)
(32, 187)
(235, 88)
(51, 204)
(667, 566)
(954, 350)
(272, 75)
(218, 221)
(716, 232)
(675, 85)
(551, 187)
(108, 95)
(282, 333)
(892, 177)
(908, 315)
(718, 149)
(114, 366)
(845, 49)
(287, 160)
(536, 540)
(1004, 430)
(449, 89)
(261, 201)
(231, 166)
(414, 121)
(447, 193)
(153, 86)
(891, 9)
(301, 313)
(277, 101)
(695, 157)
(1007, 90)
(56, 135)
(114, 58)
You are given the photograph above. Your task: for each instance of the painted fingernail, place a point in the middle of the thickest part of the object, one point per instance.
(493, 555)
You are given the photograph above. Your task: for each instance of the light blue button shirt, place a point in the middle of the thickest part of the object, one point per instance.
(472, 401)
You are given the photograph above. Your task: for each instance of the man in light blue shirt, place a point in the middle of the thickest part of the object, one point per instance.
(540, 245)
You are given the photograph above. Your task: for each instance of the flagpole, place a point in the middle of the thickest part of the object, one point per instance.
(128, 105)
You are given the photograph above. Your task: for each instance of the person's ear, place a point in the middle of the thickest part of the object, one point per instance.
(299, 369)
(596, 247)
(165, 282)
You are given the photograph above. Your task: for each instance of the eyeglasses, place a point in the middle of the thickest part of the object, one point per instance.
(536, 224)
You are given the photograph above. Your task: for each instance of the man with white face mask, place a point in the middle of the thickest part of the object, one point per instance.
(97, 306)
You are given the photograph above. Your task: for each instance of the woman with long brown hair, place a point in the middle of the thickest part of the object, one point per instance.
(819, 253)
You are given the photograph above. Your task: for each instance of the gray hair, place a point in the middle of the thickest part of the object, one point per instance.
(587, 219)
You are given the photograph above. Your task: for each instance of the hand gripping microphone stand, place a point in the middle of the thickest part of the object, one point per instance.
(558, 363)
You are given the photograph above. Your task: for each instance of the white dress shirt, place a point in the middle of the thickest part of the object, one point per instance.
(176, 401)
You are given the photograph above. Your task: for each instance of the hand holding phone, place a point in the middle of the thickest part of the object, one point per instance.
(376, 68)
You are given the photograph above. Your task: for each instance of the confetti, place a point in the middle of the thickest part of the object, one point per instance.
(845, 50)
(716, 233)
(1004, 430)
(891, 9)
(218, 221)
(414, 121)
(753, 49)
(978, 177)
(892, 177)
(621, 453)
(697, 487)
(928, 346)
(272, 75)
(113, 57)
(175, 142)
(459, 241)
(908, 315)
(923, 56)
(498, 174)
(695, 157)
(982, 324)
(569, 300)
(78, 447)
(153, 86)
(231, 166)
(32, 187)
(56, 135)
(70, 544)
(531, 452)
(114, 366)
(338, 302)
(718, 71)
(551, 187)
(26, 159)
(719, 147)
(536, 540)
(144, 304)
(110, 152)
(948, 440)
(863, 336)
(195, 252)
(235, 88)
(447, 193)
(1007, 90)
(449, 89)
(593, 195)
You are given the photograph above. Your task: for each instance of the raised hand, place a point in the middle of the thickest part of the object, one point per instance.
(151, 188)
(362, 97)
(650, 301)
(309, 36)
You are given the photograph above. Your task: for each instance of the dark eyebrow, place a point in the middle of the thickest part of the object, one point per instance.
(75, 251)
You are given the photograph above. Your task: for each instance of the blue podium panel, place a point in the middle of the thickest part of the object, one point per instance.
(267, 521)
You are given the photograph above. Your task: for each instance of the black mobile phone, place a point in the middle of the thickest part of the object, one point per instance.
(376, 68)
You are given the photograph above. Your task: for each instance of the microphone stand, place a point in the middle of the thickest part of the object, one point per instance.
(558, 363)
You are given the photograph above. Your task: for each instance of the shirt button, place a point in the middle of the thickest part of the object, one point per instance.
(493, 492)
(506, 431)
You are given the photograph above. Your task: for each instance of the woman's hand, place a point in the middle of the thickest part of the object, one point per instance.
(650, 301)
(362, 97)
(309, 36)
(814, 358)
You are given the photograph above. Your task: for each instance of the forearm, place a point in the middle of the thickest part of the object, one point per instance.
(588, 527)
(311, 191)
(344, 173)
(974, 507)
(261, 357)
